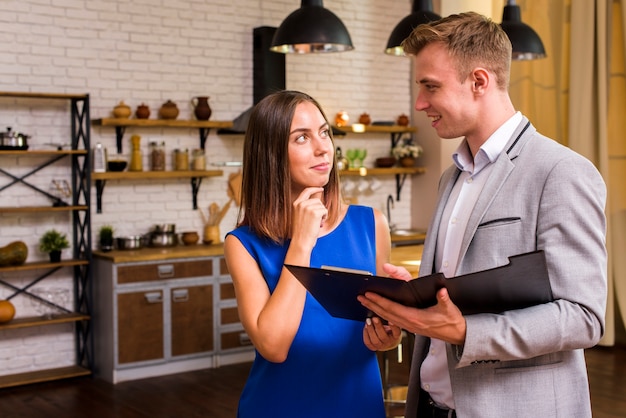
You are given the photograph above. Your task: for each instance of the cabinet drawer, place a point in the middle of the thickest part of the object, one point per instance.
(164, 271)
(234, 339)
(229, 316)
(227, 291)
(223, 267)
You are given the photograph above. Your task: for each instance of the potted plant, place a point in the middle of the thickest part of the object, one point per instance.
(407, 152)
(106, 237)
(53, 242)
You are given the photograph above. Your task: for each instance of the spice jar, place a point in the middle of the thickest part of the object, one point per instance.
(157, 156)
(199, 161)
(181, 159)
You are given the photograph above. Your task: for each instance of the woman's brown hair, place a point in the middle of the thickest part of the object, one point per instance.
(266, 180)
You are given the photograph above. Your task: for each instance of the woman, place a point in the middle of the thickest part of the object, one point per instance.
(308, 364)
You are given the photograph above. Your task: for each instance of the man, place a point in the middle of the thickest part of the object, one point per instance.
(510, 191)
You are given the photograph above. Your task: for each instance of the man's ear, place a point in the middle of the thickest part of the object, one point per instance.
(480, 80)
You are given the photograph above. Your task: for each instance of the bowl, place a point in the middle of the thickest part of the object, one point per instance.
(190, 237)
(385, 162)
(116, 165)
(133, 242)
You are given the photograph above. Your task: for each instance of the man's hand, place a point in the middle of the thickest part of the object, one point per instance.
(443, 321)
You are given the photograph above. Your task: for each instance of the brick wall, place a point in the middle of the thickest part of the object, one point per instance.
(150, 51)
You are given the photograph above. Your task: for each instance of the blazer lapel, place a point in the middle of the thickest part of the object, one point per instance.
(501, 170)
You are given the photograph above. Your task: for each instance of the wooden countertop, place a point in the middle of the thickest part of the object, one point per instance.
(161, 253)
(407, 256)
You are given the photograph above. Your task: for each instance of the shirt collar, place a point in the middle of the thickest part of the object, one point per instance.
(488, 151)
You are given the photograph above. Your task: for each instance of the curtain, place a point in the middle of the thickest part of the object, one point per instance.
(577, 96)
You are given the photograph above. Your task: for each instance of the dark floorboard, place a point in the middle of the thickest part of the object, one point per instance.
(214, 393)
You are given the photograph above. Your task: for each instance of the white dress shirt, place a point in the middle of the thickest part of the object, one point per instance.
(434, 373)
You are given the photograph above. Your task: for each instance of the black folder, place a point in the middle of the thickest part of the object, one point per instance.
(521, 283)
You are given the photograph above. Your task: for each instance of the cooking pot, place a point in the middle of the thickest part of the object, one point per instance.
(134, 242)
(163, 239)
(164, 229)
(14, 139)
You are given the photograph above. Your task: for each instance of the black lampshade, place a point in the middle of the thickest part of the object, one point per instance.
(311, 29)
(526, 43)
(421, 12)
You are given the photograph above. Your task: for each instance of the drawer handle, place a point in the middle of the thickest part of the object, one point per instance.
(244, 339)
(153, 297)
(165, 271)
(180, 295)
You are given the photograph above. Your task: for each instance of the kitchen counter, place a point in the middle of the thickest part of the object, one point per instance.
(407, 256)
(161, 253)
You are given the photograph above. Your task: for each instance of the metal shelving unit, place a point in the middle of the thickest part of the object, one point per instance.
(81, 260)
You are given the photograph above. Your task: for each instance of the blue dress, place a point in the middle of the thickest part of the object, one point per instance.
(328, 372)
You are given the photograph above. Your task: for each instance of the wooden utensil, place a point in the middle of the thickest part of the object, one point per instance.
(214, 210)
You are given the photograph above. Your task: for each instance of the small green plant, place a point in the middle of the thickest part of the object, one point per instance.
(53, 240)
(106, 233)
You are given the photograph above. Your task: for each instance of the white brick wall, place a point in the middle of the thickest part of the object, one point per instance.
(149, 51)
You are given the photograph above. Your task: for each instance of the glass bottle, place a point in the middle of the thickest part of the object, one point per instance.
(136, 158)
(342, 162)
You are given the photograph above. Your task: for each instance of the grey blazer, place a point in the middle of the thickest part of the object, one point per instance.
(528, 362)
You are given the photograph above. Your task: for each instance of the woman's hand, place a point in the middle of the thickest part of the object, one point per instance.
(309, 214)
(380, 337)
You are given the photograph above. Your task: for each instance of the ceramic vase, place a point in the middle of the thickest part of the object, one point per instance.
(202, 110)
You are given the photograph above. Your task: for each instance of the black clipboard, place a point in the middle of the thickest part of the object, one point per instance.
(521, 283)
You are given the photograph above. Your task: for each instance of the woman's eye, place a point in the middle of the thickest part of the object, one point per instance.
(325, 133)
(300, 139)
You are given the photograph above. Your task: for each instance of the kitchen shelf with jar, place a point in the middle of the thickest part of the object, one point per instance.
(120, 125)
(396, 133)
(79, 208)
(195, 176)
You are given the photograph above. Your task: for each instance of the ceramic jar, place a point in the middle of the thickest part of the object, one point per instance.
(142, 112)
(202, 110)
(168, 110)
(403, 120)
(122, 110)
(365, 119)
(342, 119)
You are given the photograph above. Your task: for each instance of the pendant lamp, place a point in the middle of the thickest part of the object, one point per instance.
(526, 43)
(311, 29)
(421, 12)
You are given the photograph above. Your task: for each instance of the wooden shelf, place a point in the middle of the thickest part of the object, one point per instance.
(382, 171)
(41, 152)
(141, 175)
(195, 176)
(37, 265)
(42, 376)
(170, 123)
(387, 129)
(32, 209)
(37, 321)
(42, 95)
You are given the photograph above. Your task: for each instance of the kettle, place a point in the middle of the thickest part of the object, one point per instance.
(14, 139)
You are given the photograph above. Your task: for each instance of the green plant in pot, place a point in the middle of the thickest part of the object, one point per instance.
(53, 242)
(106, 238)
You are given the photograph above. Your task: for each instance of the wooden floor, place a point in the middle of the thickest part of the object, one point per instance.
(214, 392)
